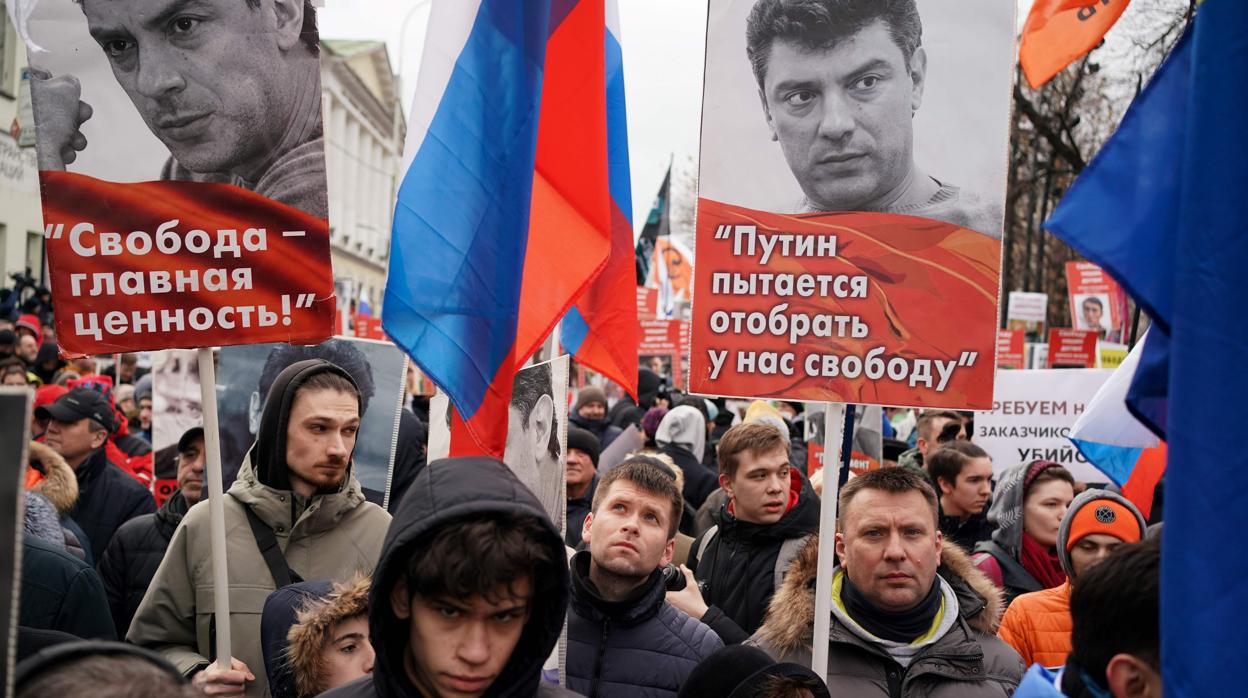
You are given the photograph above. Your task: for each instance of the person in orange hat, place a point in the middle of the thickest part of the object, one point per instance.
(1038, 624)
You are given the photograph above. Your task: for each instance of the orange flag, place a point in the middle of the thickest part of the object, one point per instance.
(1059, 31)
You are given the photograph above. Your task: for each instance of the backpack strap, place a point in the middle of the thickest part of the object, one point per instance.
(706, 542)
(788, 552)
(271, 551)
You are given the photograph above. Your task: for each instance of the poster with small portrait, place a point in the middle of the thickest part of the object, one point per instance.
(1097, 302)
(851, 200)
(176, 408)
(182, 171)
(537, 432)
(245, 374)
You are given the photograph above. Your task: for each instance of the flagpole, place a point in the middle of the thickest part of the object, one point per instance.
(833, 438)
(216, 506)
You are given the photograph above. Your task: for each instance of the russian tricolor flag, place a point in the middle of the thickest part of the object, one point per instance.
(601, 329)
(1113, 440)
(503, 215)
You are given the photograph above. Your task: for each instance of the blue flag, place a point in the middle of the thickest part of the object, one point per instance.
(1163, 208)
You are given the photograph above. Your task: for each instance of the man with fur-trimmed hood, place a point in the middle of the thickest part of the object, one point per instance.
(911, 616)
(295, 490)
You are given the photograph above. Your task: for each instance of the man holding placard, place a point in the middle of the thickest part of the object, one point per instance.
(294, 512)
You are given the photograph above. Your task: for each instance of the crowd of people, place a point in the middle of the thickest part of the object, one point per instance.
(685, 568)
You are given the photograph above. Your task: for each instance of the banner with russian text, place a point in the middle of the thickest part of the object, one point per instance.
(1032, 414)
(184, 196)
(850, 210)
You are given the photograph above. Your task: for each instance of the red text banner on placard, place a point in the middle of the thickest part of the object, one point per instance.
(1072, 348)
(847, 307)
(160, 265)
(1011, 350)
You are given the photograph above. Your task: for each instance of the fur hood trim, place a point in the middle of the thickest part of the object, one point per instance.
(791, 613)
(308, 635)
(59, 484)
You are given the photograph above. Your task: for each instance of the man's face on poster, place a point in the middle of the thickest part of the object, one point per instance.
(843, 116)
(205, 75)
(528, 441)
(1092, 314)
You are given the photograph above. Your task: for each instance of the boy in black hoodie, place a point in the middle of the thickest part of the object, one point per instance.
(471, 591)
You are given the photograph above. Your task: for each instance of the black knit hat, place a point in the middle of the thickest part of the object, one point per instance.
(740, 671)
(583, 440)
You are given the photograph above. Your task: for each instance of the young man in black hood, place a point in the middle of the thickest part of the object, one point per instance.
(295, 492)
(471, 590)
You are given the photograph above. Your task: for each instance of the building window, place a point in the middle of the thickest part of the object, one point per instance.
(8, 55)
(35, 256)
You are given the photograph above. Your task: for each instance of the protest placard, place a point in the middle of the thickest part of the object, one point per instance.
(647, 303)
(1110, 355)
(1071, 348)
(16, 405)
(537, 432)
(1031, 417)
(1097, 302)
(193, 217)
(176, 407)
(246, 373)
(848, 236)
(1011, 349)
(1027, 312)
(660, 347)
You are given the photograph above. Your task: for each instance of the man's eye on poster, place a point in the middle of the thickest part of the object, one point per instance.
(852, 180)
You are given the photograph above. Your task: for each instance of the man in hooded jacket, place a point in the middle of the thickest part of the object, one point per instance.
(682, 436)
(296, 482)
(425, 548)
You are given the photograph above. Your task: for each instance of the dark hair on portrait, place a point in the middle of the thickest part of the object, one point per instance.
(308, 32)
(344, 354)
(891, 480)
(1115, 609)
(650, 476)
(947, 461)
(1094, 301)
(531, 384)
(821, 24)
(481, 555)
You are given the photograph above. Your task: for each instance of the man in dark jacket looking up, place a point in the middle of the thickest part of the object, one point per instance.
(735, 566)
(79, 423)
(470, 593)
(131, 559)
(624, 639)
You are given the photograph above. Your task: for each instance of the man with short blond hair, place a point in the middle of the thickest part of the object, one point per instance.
(770, 511)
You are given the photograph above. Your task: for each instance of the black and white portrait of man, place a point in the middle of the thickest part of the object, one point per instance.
(860, 101)
(230, 88)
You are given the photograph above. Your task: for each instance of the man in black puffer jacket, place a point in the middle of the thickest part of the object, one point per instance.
(624, 639)
(134, 553)
(736, 566)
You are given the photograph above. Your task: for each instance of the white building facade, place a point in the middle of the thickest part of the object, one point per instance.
(21, 218)
(364, 130)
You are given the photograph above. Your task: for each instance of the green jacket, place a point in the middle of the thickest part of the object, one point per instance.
(335, 536)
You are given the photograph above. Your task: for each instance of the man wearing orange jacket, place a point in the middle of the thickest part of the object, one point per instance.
(1038, 624)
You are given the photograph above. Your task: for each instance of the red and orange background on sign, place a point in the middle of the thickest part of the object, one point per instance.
(932, 295)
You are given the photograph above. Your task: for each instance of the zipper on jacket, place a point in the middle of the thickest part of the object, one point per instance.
(602, 651)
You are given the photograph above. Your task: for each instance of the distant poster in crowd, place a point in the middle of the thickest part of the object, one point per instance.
(1031, 417)
(1097, 302)
(867, 447)
(660, 348)
(1071, 348)
(1011, 349)
(182, 171)
(851, 189)
(1027, 312)
(245, 374)
(16, 405)
(537, 432)
(176, 407)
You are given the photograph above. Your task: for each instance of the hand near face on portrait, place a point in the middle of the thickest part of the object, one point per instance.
(59, 116)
